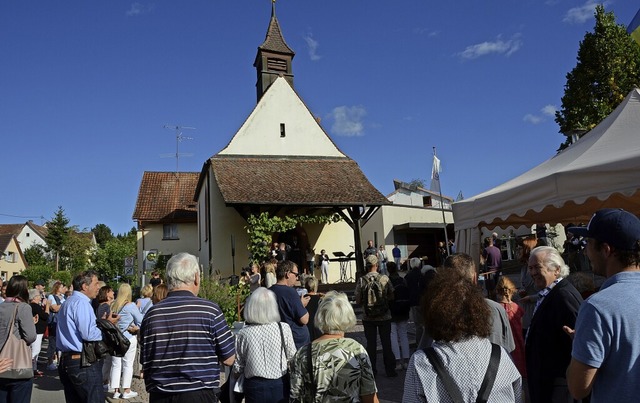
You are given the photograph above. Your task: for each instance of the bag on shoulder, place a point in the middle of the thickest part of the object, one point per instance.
(373, 296)
(113, 338)
(400, 306)
(17, 350)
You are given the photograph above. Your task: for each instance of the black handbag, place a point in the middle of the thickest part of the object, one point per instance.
(113, 338)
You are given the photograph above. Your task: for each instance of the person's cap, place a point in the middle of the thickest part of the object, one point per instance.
(40, 282)
(615, 227)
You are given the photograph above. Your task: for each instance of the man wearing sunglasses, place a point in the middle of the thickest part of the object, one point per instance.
(292, 307)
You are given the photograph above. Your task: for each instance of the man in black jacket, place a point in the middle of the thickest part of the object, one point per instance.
(548, 347)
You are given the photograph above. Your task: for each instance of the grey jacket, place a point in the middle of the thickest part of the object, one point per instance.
(24, 327)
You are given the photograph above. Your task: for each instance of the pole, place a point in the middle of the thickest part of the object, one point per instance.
(233, 254)
(444, 221)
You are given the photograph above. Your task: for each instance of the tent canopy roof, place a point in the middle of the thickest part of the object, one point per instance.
(602, 169)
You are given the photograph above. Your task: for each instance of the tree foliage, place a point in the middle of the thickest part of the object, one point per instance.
(109, 259)
(102, 233)
(608, 68)
(57, 232)
(36, 255)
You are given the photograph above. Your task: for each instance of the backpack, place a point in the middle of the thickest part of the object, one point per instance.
(373, 297)
(400, 306)
(115, 341)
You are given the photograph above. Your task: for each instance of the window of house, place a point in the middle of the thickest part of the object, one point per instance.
(4, 276)
(170, 231)
(10, 257)
(426, 201)
(28, 235)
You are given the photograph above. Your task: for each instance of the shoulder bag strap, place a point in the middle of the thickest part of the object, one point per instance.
(13, 320)
(310, 365)
(448, 382)
(146, 307)
(490, 375)
(282, 345)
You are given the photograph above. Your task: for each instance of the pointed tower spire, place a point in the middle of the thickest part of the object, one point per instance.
(274, 56)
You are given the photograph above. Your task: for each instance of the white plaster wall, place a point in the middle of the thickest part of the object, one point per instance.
(260, 133)
(12, 268)
(28, 241)
(335, 237)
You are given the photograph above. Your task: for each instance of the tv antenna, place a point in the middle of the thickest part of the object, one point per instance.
(179, 139)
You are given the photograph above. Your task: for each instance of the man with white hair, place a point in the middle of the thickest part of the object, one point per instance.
(184, 339)
(547, 346)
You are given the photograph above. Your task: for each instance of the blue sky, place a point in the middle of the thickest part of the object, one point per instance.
(87, 86)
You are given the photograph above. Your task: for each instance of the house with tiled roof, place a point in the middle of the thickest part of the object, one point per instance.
(12, 261)
(166, 216)
(27, 234)
(280, 161)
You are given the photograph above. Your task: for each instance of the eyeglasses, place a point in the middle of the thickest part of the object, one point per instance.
(295, 273)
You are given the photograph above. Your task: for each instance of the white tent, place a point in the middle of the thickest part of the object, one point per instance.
(602, 169)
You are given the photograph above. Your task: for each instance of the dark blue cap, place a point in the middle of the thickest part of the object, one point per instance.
(613, 226)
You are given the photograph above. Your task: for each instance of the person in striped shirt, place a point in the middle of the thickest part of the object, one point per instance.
(184, 340)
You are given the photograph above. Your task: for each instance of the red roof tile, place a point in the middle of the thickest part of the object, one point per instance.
(167, 197)
(293, 181)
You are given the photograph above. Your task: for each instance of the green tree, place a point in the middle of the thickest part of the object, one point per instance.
(57, 234)
(102, 233)
(109, 260)
(608, 68)
(36, 255)
(78, 251)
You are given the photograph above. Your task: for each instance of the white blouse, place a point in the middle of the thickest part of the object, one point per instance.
(259, 351)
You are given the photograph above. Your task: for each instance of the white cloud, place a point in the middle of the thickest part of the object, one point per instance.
(533, 119)
(312, 45)
(348, 120)
(499, 46)
(549, 110)
(546, 111)
(425, 31)
(581, 14)
(138, 9)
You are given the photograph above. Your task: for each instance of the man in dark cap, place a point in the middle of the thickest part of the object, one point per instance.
(606, 347)
(40, 285)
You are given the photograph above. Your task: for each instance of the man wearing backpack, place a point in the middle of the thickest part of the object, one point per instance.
(374, 291)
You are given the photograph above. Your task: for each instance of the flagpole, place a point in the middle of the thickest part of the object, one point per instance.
(444, 221)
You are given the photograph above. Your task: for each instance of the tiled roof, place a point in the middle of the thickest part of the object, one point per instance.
(293, 181)
(275, 41)
(11, 229)
(5, 240)
(167, 197)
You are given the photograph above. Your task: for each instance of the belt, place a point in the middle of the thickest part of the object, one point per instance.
(73, 355)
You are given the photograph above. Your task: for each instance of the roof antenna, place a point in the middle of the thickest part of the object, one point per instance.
(179, 138)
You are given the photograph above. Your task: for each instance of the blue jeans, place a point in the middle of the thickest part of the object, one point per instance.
(260, 390)
(16, 390)
(81, 384)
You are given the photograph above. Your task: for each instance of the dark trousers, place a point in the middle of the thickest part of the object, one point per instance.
(196, 396)
(16, 390)
(258, 390)
(372, 328)
(81, 384)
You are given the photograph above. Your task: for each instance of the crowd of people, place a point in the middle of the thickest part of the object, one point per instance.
(538, 341)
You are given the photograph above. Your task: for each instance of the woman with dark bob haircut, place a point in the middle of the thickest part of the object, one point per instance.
(16, 315)
(458, 319)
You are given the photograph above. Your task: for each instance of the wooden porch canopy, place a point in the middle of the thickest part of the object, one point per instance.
(297, 185)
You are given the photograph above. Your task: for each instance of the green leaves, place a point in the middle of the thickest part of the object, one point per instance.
(607, 69)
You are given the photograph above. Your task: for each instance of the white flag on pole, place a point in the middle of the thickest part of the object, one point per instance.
(435, 175)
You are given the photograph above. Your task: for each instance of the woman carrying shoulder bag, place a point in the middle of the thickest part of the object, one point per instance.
(16, 320)
(263, 350)
(130, 319)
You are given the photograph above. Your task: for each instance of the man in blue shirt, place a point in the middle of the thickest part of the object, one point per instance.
(606, 347)
(397, 255)
(76, 324)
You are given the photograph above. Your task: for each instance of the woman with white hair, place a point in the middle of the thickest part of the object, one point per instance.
(332, 367)
(263, 350)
